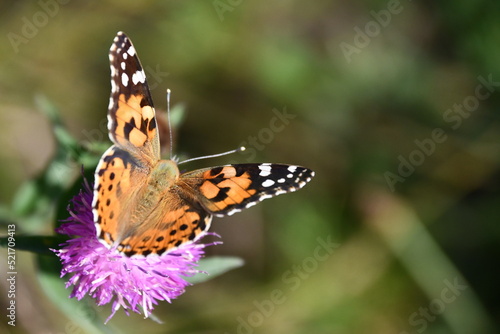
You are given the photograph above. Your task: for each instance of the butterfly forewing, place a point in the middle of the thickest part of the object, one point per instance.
(131, 116)
(225, 190)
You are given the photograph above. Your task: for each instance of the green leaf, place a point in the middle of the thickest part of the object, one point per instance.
(35, 201)
(63, 137)
(215, 266)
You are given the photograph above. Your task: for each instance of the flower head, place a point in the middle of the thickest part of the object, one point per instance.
(133, 283)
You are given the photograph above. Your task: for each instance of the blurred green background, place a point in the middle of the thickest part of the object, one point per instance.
(393, 104)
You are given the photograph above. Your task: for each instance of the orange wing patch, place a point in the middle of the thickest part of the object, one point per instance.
(176, 227)
(136, 127)
(230, 190)
(220, 189)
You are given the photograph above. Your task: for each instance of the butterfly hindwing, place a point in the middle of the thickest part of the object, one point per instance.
(225, 190)
(179, 223)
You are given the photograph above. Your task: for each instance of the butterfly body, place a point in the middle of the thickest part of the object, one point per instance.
(163, 175)
(142, 204)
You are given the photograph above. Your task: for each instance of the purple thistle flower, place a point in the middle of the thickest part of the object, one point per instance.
(133, 283)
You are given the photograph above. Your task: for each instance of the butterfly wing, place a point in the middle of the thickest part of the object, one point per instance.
(122, 172)
(117, 174)
(131, 116)
(180, 223)
(225, 190)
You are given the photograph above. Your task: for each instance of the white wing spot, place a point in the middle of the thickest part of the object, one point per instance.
(125, 55)
(263, 197)
(268, 183)
(282, 180)
(111, 103)
(265, 173)
(292, 169)
(138, 76)
(131, 51)
(289, 176)
(250, 204)
(124, 79)
(114, 87)
(229, 213)
(281, 191)
(97, 226)
(265, 170)
(123, 65)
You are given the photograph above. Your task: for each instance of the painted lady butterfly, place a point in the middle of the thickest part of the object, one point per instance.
(143, 205)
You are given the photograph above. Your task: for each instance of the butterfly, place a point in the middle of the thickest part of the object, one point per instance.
(143, 205)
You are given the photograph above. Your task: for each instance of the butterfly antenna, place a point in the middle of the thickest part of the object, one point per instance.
(239, 149)
(169, 123)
